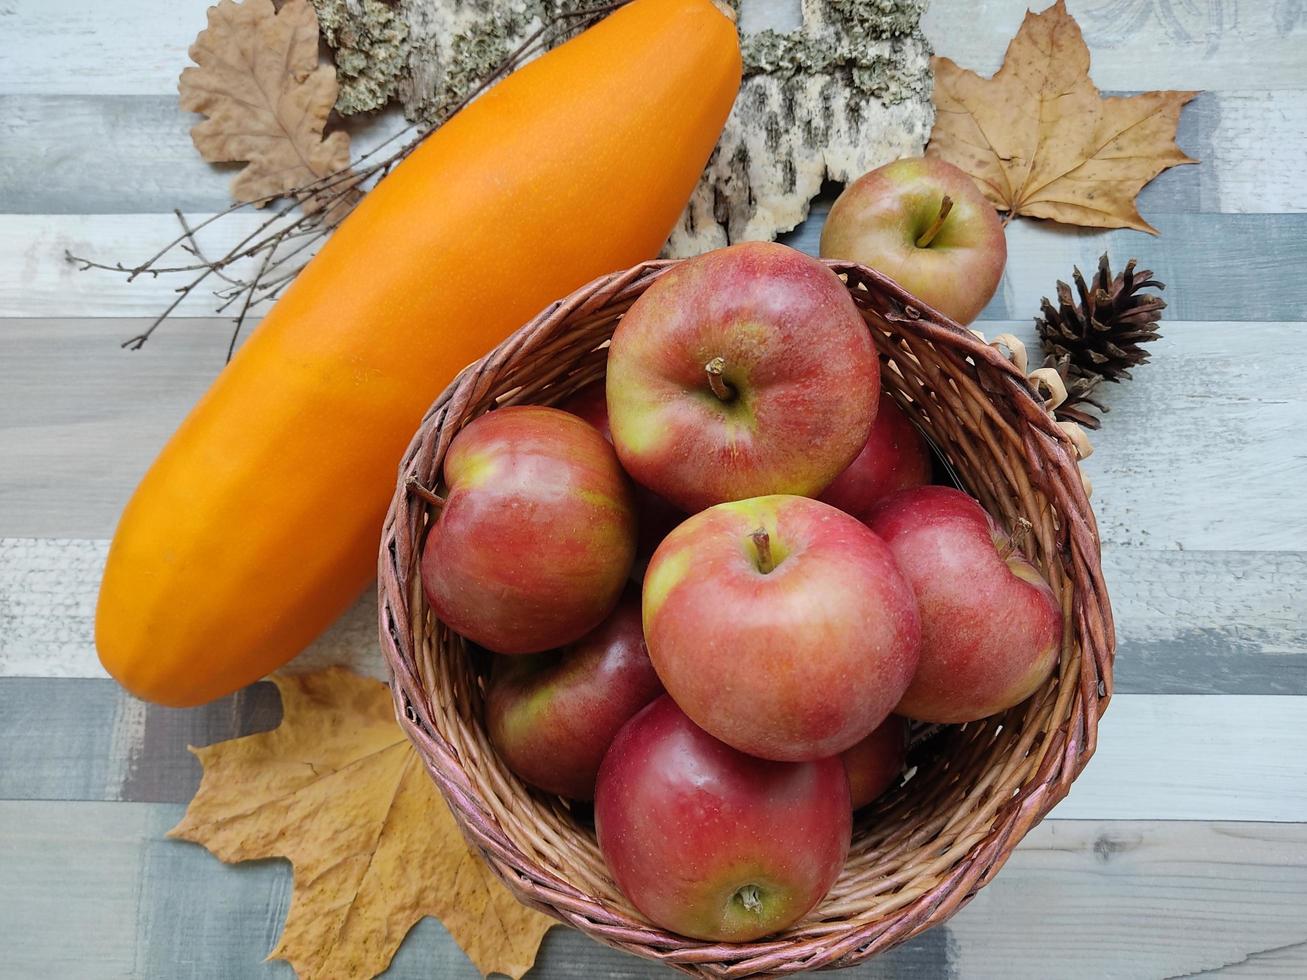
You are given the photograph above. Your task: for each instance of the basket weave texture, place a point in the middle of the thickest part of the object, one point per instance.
(923, 850)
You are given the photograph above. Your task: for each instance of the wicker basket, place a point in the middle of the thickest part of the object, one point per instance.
(922, 851)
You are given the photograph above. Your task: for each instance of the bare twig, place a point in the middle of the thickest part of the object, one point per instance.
(322, 204)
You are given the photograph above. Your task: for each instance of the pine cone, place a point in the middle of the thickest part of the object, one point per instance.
(1100, 338)
(1079, 394)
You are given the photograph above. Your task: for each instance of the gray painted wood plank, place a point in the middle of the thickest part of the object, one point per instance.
(1216, 266)
(140, 905)
(98, 154)
(86, 739)
(1140, 900)
(1160, 757)
(116, 154)
(1200, 257)
(81, 414)
(1201, 451)
(1208, 622)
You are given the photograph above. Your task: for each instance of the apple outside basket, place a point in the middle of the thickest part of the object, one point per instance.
(923, 849)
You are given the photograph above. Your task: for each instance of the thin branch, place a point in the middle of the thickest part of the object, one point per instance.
(194, 247)
(249, 298)
(322, 204)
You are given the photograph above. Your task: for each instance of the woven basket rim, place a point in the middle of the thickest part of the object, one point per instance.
(1065, 753)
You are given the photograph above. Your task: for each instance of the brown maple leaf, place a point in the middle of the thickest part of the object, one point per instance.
(1041, 141)
(267, 100)
(340, 792)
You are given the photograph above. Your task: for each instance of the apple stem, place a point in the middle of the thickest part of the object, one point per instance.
(1015, 539)
(749, 898)
(426, 493)
(762, 541)
(720, 388)
(928, 236)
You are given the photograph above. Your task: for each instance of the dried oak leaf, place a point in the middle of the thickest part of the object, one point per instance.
(266, 98)
(1041, 141)
(340, 792)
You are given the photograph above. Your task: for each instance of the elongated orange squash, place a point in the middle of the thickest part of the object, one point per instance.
(259, 522)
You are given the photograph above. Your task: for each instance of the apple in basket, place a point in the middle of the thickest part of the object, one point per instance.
(780, 625)
(875, 763)
(991, 627)
(534, 542)
(895, 457)
(552, 716)
(656, 516)
(926, 225)
(710, 842)
(742, 372)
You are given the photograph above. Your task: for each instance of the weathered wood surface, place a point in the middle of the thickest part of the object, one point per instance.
(1203, 450)
(1201, 257)
(1160, 757)
(1188, 622)
(116, 154)
(1130, 899)
(136, 47)
(1198, 479)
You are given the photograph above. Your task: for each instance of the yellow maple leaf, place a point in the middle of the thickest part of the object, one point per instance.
(340, 792)
(1041, 141)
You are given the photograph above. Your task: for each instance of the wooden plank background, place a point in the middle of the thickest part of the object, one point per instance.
(1181, 852)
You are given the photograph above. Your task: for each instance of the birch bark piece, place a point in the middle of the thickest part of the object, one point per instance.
(843, 92)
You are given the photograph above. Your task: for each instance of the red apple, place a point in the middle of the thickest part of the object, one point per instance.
(710, 842)
(875, 763)
(991, 627)
(896, 220)
(895, 457)
(591, 404)
(535, 540)
(656, 517)
(742, 372)
(553, 715)
(780, 625)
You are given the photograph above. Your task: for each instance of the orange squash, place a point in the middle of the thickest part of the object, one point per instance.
(258, 524)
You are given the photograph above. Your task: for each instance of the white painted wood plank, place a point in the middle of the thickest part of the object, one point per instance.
(1077, 899)
(769, 15)
(139, 46)
(1204, 447)
(1201, 258)
(40, 281)
(135, 47)
(1191, 757)
(1250, 146)
(48, 590)
(1189, 622)
(1144, 45)
(1203, 450)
